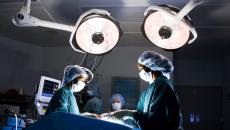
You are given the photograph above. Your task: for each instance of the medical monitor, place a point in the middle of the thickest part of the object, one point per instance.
(47, 88)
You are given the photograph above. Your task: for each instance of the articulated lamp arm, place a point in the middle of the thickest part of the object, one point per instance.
(24, 19)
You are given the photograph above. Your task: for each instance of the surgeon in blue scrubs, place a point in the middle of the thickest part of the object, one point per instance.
(74, 80)
(158, 107)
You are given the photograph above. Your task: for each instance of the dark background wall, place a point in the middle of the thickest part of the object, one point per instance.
(205, 101)
(20, 66)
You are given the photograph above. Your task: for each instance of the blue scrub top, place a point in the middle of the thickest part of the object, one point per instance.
(63, 101)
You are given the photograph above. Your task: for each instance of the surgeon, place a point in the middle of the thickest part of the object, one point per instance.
(158, 107)
(74, 80)
(117, 101)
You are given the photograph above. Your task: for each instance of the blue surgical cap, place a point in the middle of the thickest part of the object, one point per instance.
(156, 62)
(72, 72)
(119, 97)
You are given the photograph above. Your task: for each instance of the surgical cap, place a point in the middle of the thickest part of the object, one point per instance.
(72, 72)
(89, 73)
(156, 62)
(119, 97)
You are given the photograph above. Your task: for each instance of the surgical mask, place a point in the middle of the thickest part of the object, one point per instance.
(78, 86)
(146, 76)
(116, 106)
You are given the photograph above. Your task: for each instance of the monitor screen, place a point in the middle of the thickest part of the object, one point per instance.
(47, 88)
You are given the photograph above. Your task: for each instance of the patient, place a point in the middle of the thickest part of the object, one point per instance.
(117, 103)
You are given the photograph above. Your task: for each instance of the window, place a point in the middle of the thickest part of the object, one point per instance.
(129, 88)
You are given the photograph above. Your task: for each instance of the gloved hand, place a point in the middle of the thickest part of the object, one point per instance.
(122, 113)
(87, 114)
(106, 115)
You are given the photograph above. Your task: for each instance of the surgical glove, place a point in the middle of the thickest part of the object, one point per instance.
(87, 114)
(122, 113)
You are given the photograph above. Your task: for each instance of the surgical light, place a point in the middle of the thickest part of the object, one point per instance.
(95, 32)
(168, 27)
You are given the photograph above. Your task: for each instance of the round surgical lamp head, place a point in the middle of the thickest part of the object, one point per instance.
(96, 32)
(165, 29)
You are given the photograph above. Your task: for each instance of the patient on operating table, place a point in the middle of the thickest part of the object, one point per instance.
(119, 115)
(124, 117)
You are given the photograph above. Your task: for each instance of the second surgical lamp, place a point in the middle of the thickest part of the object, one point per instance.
(168, 27)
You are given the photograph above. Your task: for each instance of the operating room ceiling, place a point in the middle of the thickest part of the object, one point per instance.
(211, 20)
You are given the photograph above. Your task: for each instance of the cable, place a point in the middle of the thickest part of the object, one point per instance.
(48, 13)
(16, 121)
(93, 65)
(98, 64)
(83, 59)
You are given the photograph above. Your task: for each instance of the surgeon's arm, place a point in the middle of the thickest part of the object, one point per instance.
(140, 103)
(174, 113)
(156, 116)
(62, 102)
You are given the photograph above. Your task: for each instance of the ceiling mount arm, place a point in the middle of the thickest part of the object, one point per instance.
(24, 19)
(188, 7)
(26, 6)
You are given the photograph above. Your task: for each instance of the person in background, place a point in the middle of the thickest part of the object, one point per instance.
(91, 98)
(117, 101)
(74, 80)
